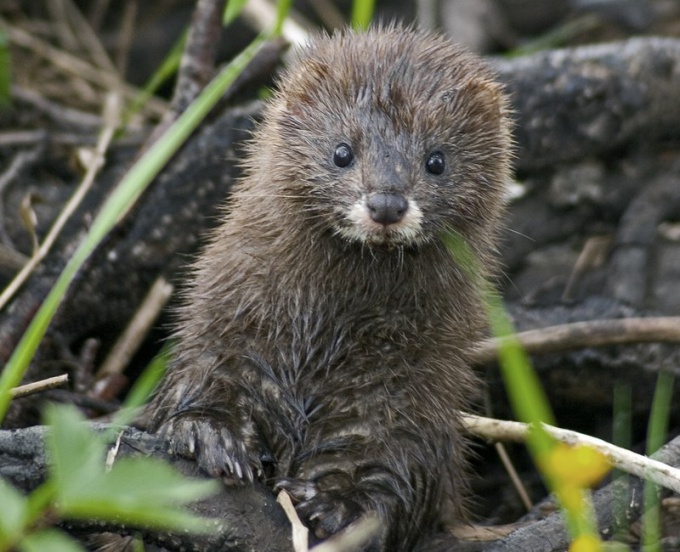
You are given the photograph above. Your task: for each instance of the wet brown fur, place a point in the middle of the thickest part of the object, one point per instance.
(336, 364)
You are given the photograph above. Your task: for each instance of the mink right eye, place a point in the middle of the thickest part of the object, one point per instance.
(343, 155)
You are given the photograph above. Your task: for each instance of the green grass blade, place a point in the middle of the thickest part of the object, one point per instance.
(362, 13)
(143, 387)
(526, 394)
(558, 37)
(232, 10)
(622, 431)
(282, 11)
(656, 436)
(166, 70)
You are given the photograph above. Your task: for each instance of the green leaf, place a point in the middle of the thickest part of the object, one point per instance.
(139, 491)
(13, 514)
(40, 500)
(76, 454)
(49, 539)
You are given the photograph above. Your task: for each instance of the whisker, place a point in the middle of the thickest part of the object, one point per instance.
(260, 196)
(520, 234)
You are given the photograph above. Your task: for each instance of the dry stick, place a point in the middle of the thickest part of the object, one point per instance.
(38, 386)
(625, 460)
(128, 343)
(263, 15)
(111, 117)
(300, 533)
(197, 64)
(126, 34)
(63, 32)
(21, 159)
(77, 67)
(514, 476)
(593, 254)
(57, 112)
(88, 39)
(595, 333)
(353, 537)
(22, 137)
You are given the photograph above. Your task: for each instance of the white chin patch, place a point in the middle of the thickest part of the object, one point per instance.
(361, 227)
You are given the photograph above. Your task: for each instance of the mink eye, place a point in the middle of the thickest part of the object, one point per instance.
(435, 163)
(343, 155)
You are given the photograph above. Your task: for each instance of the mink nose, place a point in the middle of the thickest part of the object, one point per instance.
(386, 208)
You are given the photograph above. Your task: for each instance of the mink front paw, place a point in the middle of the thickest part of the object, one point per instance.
(324, 513)
(214, 448)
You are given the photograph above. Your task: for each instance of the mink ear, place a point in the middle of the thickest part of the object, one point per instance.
(309, 77)
(481, 94)
(488, 93)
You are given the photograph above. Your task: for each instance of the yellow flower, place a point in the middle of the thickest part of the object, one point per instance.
(580, 466)
(586, 543)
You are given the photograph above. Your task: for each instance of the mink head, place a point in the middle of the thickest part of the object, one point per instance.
(388, 138)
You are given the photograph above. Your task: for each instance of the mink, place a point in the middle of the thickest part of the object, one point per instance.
(323, 339)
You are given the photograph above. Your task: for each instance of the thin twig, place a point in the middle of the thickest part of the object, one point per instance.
(300, 533)
(197, 65)
(263, 15)
(625, 460)
(133, 336)
(595, 333)
(38, 386)
(31, 137)
(127, 34)
(352, 537)
(593, 254)
(20, 160)
(57, 112)
(88, 39)
(77, 67)
(111, 118)
(62, 30)
(514, 476)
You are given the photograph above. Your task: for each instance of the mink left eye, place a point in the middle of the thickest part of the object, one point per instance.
(435, 163)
